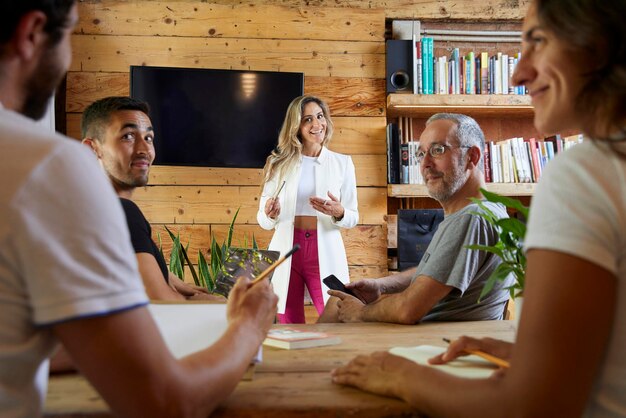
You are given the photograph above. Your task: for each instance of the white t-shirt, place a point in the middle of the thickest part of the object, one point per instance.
(579, 208)
(65, 253)
(306, 187)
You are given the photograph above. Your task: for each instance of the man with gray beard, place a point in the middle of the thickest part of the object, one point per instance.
(445, 286)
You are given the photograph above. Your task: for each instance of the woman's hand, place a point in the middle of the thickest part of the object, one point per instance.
(331, 207)
(272, 208)
(498, 348)
(381, 373)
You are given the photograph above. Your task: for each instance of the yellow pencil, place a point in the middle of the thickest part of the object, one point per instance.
(278, 262)
(495, 360)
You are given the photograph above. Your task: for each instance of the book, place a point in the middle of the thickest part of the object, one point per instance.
(404, 165)
(293, 339)
(472, 367)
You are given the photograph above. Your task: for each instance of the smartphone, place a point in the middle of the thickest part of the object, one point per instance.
(335, 284)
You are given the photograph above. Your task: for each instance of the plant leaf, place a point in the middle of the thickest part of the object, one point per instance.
(229, 237)
(203, 270)
(506, 201)
(499, 274)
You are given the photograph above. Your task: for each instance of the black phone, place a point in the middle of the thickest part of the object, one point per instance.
(335, 284)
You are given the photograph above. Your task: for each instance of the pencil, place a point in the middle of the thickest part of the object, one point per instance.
(279, 189)
(278, 262)
(495, 360)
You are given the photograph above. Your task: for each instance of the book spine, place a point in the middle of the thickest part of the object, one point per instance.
(420, 74)
(484, 73)
(404, 172)
(414, 66)
(431, 63)
(487, 162)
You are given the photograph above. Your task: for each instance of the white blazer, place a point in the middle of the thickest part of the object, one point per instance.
(335, 173)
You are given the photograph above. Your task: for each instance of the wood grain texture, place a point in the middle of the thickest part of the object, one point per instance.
(256, 20)
(215, 204)
(346, 96)
(297, 383)
(317, 58)
(420, 9)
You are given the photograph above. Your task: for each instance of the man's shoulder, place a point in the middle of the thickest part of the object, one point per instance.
(131, 210)
(496, 208)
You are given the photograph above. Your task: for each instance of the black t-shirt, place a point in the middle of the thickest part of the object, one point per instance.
(141, 234)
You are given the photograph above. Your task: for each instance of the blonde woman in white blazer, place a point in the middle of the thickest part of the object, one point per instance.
(318, 198)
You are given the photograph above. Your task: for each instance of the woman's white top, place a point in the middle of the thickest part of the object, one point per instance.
(332, 172)
(306, 187)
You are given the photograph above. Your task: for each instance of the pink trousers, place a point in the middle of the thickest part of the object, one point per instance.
(305, 270)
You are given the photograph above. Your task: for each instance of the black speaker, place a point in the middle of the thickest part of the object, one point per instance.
(399, 70)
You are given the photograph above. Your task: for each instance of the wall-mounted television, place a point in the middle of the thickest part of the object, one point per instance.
(215, 118)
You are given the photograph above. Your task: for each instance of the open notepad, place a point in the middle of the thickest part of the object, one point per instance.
(190, 327)
(472, 367)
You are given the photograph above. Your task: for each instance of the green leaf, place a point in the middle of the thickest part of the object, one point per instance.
(499, 274)
(490, 249)
(509, 202)
(203, 269)
(229, 237)
(516, 227)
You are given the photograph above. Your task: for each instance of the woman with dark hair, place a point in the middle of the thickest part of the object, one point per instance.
(309, 193)
(568, 359)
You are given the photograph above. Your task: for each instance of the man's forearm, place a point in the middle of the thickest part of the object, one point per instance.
(397, 282)
(387, 309)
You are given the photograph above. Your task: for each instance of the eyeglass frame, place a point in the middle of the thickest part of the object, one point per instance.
(419, 155)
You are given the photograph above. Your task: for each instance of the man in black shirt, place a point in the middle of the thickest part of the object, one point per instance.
(119, 131)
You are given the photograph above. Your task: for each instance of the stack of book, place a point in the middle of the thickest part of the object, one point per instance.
(472, 73)
(513, 160)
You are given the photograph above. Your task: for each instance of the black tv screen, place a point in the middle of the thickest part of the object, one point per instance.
(215, 118)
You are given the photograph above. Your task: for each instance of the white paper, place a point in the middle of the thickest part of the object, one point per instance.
(472, 367)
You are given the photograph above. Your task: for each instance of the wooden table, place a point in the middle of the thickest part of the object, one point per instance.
(297, 382)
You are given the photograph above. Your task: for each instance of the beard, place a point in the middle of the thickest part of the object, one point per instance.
(449, 183)
(42, 85)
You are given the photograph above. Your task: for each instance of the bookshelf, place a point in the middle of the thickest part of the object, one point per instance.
(419, 190)
(489, 105)
(480, 106)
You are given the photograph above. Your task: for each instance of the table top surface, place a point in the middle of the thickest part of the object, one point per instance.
(297, 382)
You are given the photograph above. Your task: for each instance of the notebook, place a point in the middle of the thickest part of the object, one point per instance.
(292, 339)
(471, 366)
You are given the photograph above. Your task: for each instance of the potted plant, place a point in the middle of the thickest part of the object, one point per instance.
(207, 271)
(509, 247)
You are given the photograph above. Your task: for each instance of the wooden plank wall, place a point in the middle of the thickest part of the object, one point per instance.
(338, 45)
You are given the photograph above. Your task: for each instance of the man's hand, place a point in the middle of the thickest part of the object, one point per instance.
(368, 290)
(252, 304)
(209, 297)
(349, 308)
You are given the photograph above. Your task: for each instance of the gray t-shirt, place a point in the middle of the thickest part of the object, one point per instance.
(449, 262)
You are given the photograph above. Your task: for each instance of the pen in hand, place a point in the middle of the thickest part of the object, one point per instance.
(278, 262)
(493, 359)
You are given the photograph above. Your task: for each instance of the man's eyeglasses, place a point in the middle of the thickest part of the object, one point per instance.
(436, 151)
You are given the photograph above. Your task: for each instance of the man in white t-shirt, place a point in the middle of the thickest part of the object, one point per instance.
(67, 273)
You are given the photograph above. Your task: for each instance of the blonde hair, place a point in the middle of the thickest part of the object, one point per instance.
(289, 148)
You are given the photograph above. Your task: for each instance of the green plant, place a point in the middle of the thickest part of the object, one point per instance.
(207, 271)
(510, 245)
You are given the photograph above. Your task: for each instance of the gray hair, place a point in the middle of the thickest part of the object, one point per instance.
(468, 132)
